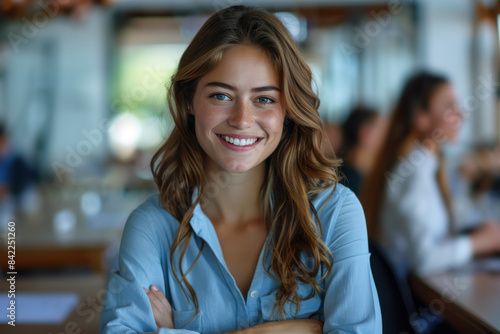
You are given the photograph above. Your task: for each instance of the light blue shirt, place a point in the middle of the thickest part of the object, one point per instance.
(349, 300)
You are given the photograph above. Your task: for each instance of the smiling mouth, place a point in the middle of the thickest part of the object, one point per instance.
(240, 141)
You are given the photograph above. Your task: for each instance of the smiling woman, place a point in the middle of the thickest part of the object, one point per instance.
(239, 99)
(277, 246)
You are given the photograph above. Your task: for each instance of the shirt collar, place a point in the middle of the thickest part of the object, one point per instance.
(204, 229)
(199, 219)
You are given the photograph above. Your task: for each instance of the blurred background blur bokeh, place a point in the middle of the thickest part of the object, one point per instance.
(82, 110)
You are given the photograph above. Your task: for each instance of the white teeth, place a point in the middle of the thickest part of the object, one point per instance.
(239, 142)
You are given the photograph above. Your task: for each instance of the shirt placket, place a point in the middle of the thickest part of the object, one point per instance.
(254, 294)
(204, 229)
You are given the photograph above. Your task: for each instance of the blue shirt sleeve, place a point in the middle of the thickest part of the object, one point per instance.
(351, 303)
(126, 307)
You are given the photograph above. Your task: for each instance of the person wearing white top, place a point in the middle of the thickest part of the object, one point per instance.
(422, 242)
(406, 198)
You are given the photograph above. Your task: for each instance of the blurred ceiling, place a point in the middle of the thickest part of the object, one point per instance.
(17, 9)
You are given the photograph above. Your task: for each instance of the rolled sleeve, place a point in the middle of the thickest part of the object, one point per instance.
(351, 303)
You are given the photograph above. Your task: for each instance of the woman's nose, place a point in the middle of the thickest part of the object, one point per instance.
(241, 115)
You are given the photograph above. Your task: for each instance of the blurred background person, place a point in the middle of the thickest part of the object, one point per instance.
(333, 138)
(476, 183)
(406, 197)
(362, 134)
(16, 177)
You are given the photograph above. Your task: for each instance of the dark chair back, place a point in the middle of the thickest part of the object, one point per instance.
(395, 297)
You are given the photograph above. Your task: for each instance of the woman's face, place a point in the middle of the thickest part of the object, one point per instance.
(445, 116)
(238, 109)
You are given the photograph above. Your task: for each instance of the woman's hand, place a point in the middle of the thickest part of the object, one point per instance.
(162, 310)
(298, 326)
(486, 239)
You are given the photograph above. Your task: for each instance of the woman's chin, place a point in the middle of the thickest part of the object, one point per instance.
(238, 167)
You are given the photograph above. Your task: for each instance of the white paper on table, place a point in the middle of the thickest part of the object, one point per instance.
(39, 308)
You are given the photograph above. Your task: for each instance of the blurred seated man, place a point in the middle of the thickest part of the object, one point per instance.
(362, 134)
(477, 186)
(15, 175)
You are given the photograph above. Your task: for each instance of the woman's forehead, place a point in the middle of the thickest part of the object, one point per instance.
(244, 66)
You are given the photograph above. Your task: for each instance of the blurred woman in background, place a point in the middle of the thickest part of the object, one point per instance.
(362, 134)
(406, 198)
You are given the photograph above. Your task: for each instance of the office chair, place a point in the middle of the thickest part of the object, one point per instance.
(396, 301)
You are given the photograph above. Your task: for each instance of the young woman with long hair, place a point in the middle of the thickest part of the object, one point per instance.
(250, 232)
(406, 197)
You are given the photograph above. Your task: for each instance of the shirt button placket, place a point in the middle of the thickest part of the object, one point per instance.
(252, 307)
(254, 294)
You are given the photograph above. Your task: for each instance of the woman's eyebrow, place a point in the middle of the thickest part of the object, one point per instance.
(255, 90)
(265, 88)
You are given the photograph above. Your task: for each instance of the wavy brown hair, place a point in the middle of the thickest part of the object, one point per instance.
(296, 171)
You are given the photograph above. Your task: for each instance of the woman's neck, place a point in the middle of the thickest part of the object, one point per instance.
(413, 139)
(233, 198)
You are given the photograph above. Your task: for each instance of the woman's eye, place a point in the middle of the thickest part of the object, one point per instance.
(265, 100)
(220, 97)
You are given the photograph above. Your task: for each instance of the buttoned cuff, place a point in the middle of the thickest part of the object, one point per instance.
(463, 250)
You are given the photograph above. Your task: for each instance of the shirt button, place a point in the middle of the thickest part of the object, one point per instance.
(254, 294)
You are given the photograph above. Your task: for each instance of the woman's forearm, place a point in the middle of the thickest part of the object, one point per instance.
(299, 326)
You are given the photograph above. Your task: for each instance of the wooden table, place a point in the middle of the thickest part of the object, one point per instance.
(39, 245)
(84, 318)
(470, 302)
